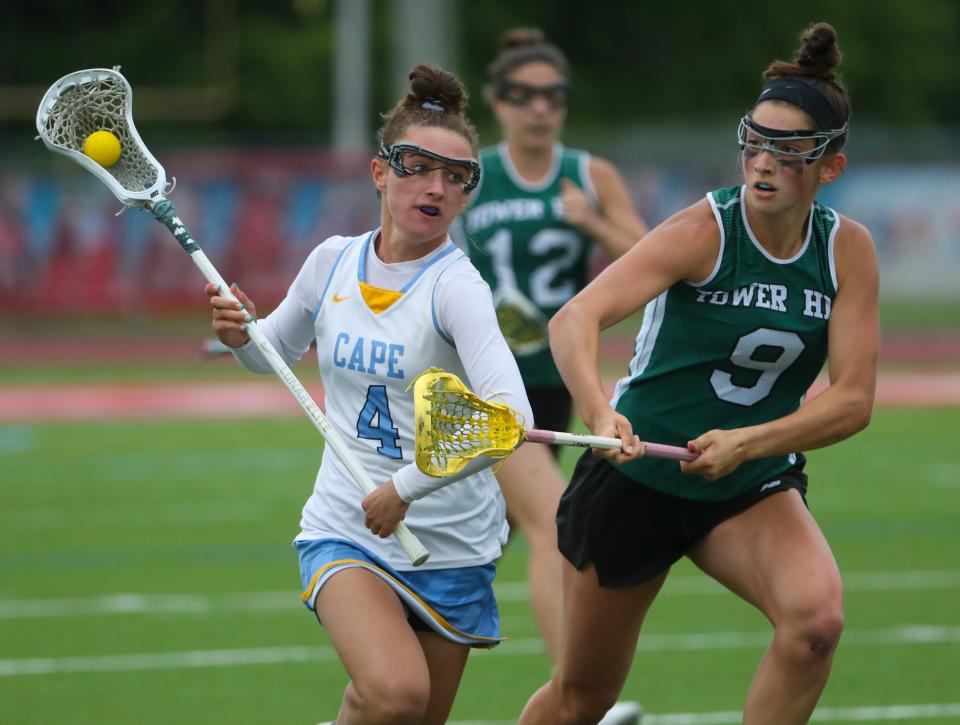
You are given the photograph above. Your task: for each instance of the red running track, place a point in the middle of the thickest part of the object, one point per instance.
(42, 348)
(259, 399)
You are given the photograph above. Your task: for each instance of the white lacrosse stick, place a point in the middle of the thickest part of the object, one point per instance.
(101, 99)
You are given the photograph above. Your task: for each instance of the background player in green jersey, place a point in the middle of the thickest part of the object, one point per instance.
(744, 294)
(530, 229)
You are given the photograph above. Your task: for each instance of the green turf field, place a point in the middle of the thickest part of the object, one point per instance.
(147, 577)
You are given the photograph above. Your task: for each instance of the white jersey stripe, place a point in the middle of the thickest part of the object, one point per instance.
(645, 342)
(831, 247)
(326, 287)
(723, 238)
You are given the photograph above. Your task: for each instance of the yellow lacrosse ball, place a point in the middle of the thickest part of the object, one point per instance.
(103, 147)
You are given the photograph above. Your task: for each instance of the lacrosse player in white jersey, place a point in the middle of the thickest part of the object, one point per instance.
(383, 307)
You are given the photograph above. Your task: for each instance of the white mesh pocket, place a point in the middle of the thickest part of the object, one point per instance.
(100, 99)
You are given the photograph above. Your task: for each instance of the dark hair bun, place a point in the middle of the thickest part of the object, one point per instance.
(818, 49)
(436, 86)
(519, 37)
(816, 58)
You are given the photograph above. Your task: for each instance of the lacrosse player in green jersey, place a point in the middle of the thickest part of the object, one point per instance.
(530, 229)
(746, 295)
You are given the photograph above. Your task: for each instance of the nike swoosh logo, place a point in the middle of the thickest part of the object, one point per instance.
(336, 298)
(765, 486)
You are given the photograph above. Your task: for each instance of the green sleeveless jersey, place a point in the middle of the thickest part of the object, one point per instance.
(740, 348)
(516, 236)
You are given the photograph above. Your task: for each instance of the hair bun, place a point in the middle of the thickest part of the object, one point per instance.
(815, 59)
(436, 87)
(818, 48)
(519, 37)
(814, 64)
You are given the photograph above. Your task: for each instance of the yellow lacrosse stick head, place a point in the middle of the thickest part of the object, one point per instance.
(455, 425)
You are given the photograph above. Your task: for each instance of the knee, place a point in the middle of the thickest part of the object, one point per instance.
(399, 700)
(824, 632)
(813, 631)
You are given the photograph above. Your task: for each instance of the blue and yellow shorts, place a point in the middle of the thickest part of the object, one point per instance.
(455, 603)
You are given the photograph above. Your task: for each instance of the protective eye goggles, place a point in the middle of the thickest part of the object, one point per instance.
(520, 94)
(407, 159)
(787, 147)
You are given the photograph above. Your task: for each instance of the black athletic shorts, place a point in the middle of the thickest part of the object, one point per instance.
(631, 532)
(552, 407)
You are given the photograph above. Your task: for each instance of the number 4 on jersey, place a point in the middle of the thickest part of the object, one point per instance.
(376, 423)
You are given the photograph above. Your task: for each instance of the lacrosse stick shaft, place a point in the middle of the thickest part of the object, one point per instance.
(164, 211)
(655, 450)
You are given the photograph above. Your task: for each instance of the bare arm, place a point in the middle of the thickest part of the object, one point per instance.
(845, 406)
(684, 247)
(614, 224)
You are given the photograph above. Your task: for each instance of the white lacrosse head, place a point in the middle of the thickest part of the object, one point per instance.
(101, 99)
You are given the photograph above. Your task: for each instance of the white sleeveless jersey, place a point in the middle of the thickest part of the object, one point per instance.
(367, 359)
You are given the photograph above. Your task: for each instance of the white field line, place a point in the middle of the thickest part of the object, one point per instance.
(58, 518)
(909, 635)
(903, 713)
(117, 604)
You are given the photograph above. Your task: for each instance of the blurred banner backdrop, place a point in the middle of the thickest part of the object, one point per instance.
(266, 114)
(258, 215)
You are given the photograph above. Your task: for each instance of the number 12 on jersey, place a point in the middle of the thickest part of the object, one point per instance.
(550, 280)
(376, 423)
